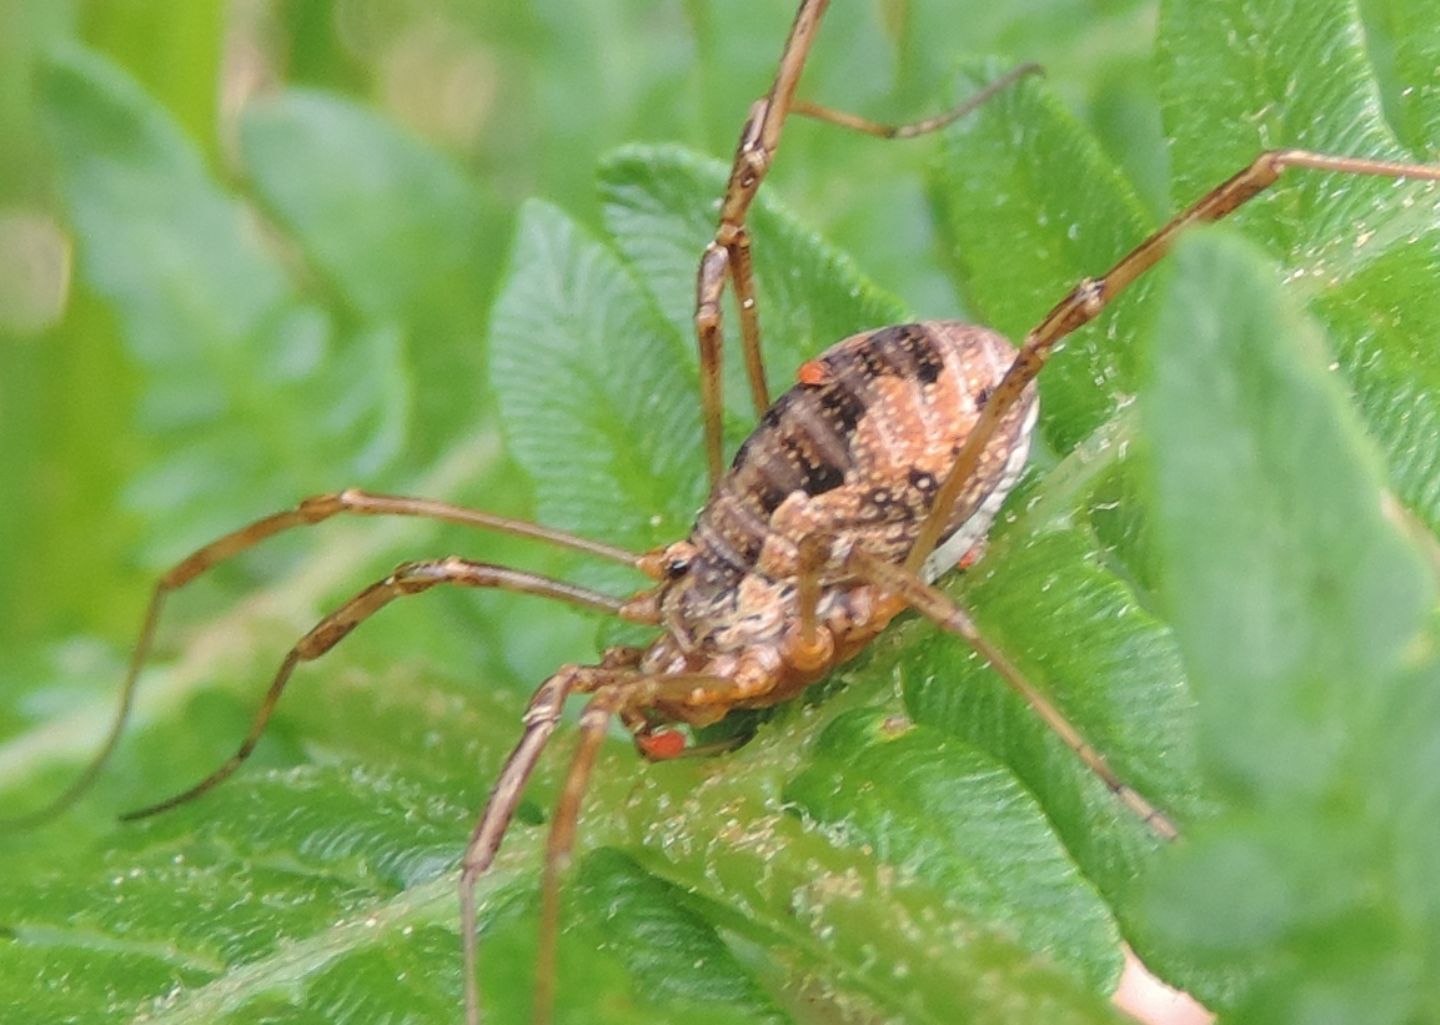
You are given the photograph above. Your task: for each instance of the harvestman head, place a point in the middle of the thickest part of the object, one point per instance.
(822, 530)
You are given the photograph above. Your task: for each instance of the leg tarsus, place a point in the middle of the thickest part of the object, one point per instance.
(96, 765)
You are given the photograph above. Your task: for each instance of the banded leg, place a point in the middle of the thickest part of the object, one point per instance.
(409, 578)
(309, 512)
(1087, 299)
(727, 257)
(945, 613)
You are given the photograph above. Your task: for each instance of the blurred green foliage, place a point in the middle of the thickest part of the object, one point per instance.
(274, 248)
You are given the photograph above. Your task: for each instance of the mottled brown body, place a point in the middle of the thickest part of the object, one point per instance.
(853, 454)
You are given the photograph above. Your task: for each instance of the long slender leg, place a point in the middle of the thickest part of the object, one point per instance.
(541, 717)
(410, 578)
(937, 606)
(1087, 299)
(709, 289)
(737, 248)
(742, 273)
(727, 257)
(594, 723)
(924, 126)
(635, 693)
(309, 512)
(617, 687)
(729, 253)
(353, 501)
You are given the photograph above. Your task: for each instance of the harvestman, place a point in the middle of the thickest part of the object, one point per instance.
(878, 471)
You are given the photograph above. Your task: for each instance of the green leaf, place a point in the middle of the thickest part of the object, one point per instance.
(1287, 557)
(593, 389)
(1298, 607)
(798, 901)
(1405, 32)
(1381, 323)
(1020, 234)
(674, 955)
(408, 243)
(142, 199)
(301, 904)
(1264, 88)
(1367, 247)
(959, 821)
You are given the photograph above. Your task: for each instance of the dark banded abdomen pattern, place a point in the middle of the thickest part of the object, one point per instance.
(858, 449)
